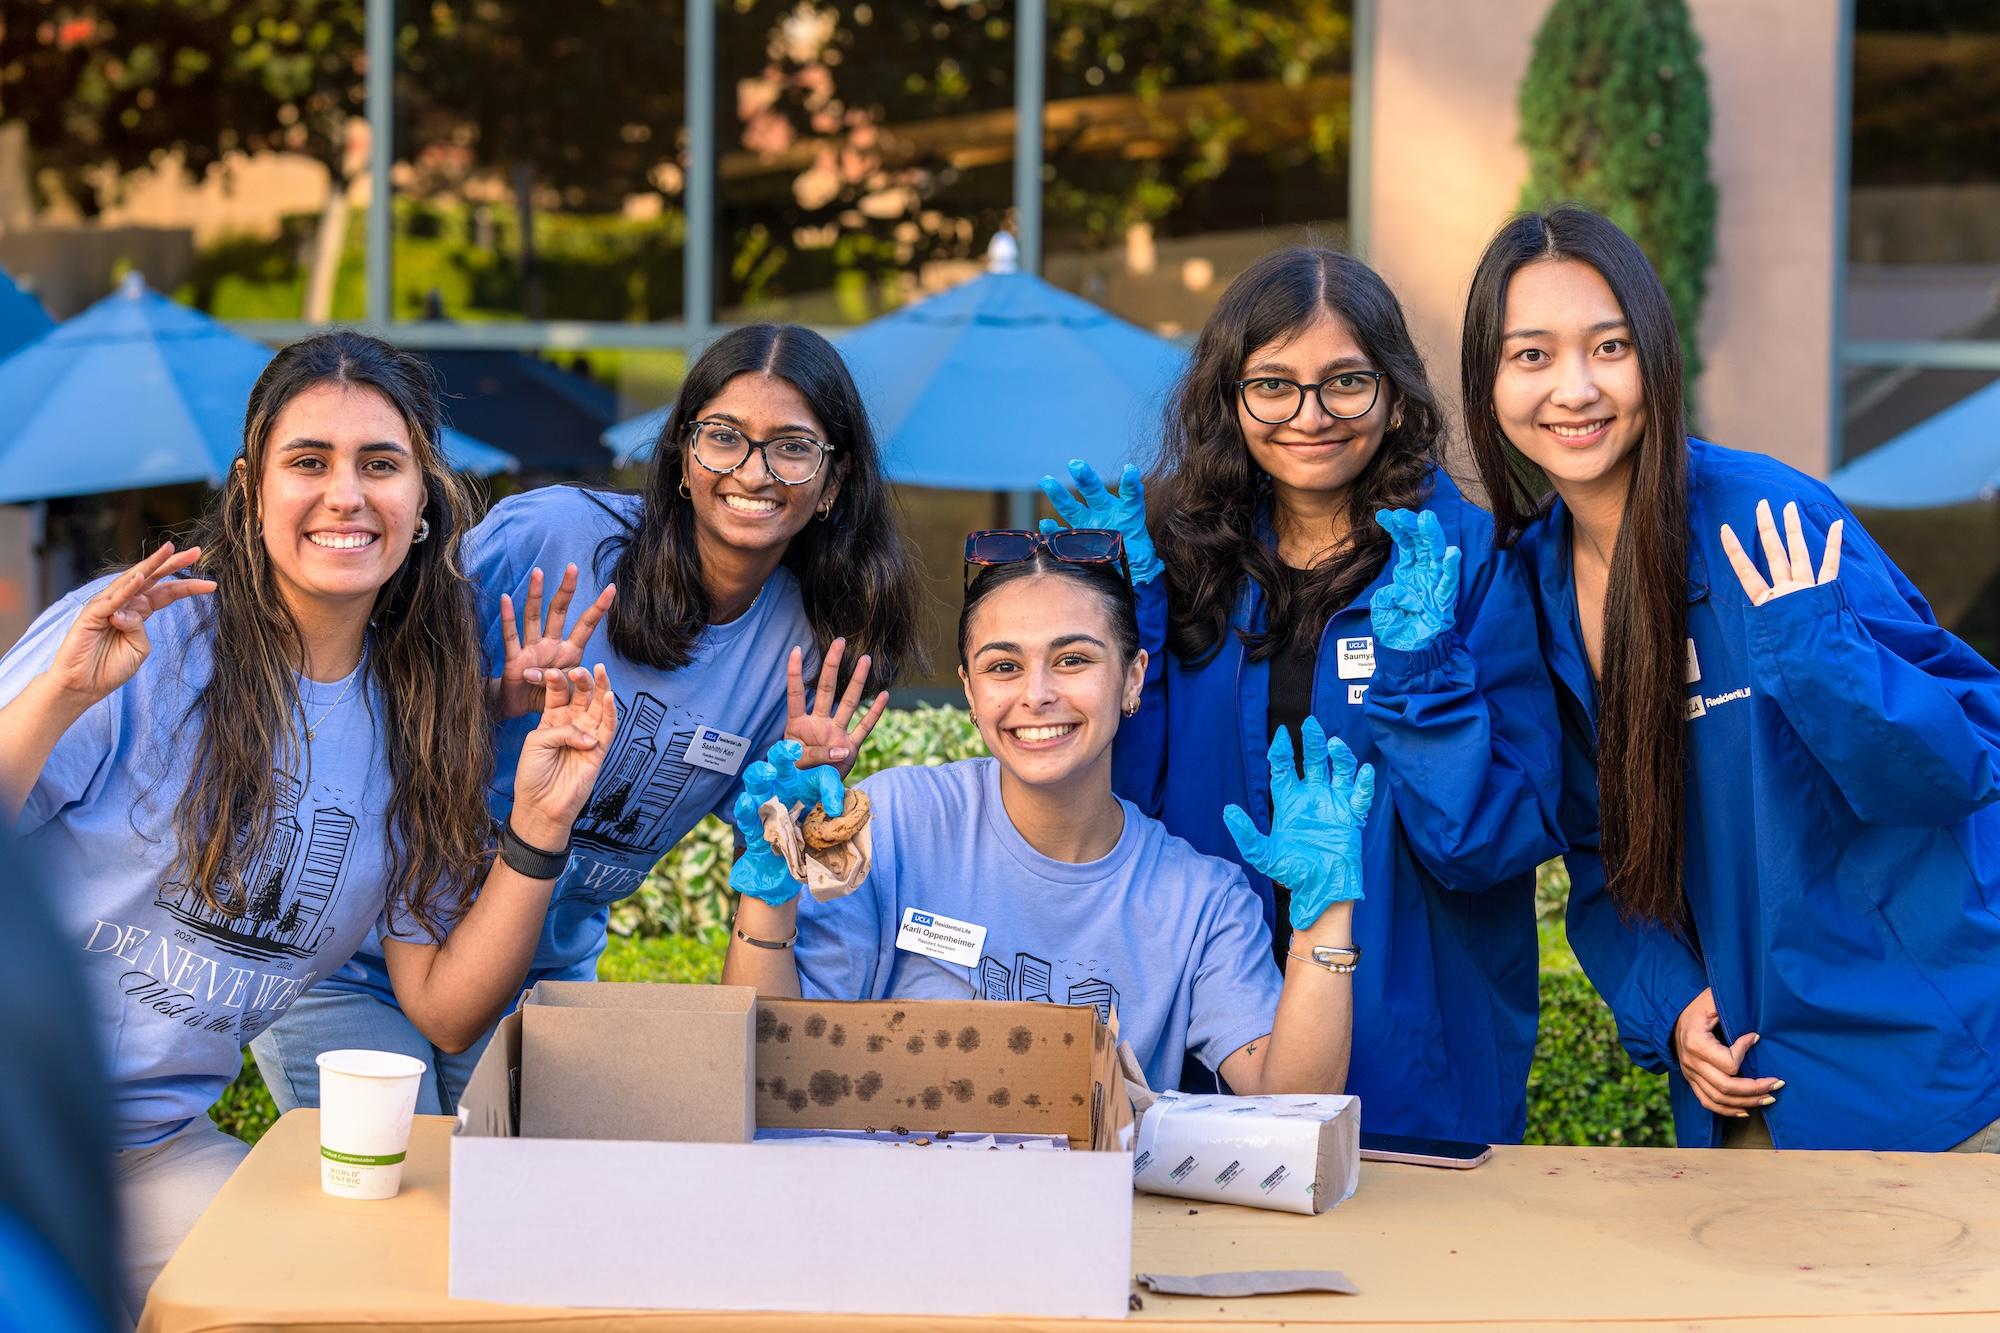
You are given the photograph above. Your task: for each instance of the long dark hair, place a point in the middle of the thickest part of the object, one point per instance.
(855, 571)
(422, 660)
(1107, 583)
(1207, 495)
(1641, 735)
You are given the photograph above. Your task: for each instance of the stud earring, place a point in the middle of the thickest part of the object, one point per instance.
(423, 532)
(1130, 710)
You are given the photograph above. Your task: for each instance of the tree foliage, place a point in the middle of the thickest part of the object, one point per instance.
(1615, 115)
(106, 88)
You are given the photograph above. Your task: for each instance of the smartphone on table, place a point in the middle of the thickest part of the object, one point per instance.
(1423, 1152)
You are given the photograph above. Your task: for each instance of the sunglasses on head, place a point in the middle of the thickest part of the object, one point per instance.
(1074, 546)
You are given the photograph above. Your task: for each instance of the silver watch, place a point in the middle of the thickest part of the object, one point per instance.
(1333, 957)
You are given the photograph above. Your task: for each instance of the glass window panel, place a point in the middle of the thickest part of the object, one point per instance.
(866, 152)
(1183, 141)
(1924, 198)
(217, 149)
(538, 172)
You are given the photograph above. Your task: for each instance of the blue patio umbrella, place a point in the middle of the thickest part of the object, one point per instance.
(996, 382)
(139, 391)
(22, 319)
(1947, 459)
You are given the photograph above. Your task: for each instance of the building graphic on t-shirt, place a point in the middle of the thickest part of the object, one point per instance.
(1030, 979)
(289, 884)
(642, 778)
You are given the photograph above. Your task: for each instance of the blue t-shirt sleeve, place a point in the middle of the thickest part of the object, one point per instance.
(82, 758)
(498, 554)
(1236, 985)
(840, 946)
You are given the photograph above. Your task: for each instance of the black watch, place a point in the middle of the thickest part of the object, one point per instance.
(530, 860)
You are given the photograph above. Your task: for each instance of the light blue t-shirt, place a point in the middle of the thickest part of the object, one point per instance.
(1176, 940)
(179, 987)
(676, 756)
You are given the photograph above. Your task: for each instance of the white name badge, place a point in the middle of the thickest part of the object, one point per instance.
(941, 937)
(1357, 658)
(717, 750)
(1694, 664)
(1356, 693)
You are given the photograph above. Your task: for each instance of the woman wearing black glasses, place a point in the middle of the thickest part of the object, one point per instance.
(1315, 561)
(1023, 877)
(762, 534)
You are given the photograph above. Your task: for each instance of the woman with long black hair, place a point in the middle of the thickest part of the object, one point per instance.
(1308, 557)
(763, 534)
(1779, 777)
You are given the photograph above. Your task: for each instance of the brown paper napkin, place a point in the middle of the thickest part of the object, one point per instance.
(829, 873)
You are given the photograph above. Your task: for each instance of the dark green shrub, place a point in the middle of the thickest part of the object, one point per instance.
(1615, 114)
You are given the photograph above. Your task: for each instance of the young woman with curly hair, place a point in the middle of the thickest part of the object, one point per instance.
(1308, 557)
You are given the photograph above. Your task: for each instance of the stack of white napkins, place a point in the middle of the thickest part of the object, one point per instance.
(1293, 1152)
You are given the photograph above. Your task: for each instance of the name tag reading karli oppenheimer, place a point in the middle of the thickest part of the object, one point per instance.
(941, 937)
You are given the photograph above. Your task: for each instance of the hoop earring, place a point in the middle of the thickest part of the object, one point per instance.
(686, 494)
(423, 533)
(825, 511)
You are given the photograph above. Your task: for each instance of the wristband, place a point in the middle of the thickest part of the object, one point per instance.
(525, 859)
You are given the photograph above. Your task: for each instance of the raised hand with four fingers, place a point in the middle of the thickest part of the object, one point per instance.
(544, 642)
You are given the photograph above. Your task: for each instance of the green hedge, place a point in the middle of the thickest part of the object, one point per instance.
(1581, 1090)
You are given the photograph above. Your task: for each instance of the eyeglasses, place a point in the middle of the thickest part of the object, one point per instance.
(1074, 546)
(1349, 394)
(792, 459)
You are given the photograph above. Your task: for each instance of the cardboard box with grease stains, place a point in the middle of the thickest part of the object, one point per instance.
(603, 1116)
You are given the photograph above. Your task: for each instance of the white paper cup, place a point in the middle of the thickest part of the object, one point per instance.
(365, 1102)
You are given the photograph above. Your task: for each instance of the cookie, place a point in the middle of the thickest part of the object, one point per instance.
(822, 833)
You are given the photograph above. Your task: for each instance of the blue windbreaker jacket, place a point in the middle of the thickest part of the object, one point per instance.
(1463, 737)
(1842, 846)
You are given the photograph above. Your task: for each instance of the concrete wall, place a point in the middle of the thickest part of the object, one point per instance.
(1445, 169)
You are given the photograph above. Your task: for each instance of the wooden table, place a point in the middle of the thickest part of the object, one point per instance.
(1613, 1238)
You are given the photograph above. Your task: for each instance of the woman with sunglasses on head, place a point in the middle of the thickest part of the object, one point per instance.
(762, 535)
(1072, 894)
(1309, 558)
(1779, 775)
(234, 777)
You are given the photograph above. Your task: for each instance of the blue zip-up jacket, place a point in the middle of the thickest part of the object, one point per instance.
(1462, 734)
(1842, 856)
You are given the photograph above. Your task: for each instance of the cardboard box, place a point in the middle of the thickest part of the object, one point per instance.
(1293, 1152)
(614, 1221)
(624, 1060)
(993, 1067)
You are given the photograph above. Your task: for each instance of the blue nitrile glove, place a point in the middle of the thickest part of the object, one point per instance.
(760, 871)
(819, 785)
(1421, 600)
(1314, 847)
(1124, 513)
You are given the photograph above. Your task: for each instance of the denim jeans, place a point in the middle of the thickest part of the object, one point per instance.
(1751, 1132)
(162, 1189)
(329, 1020)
